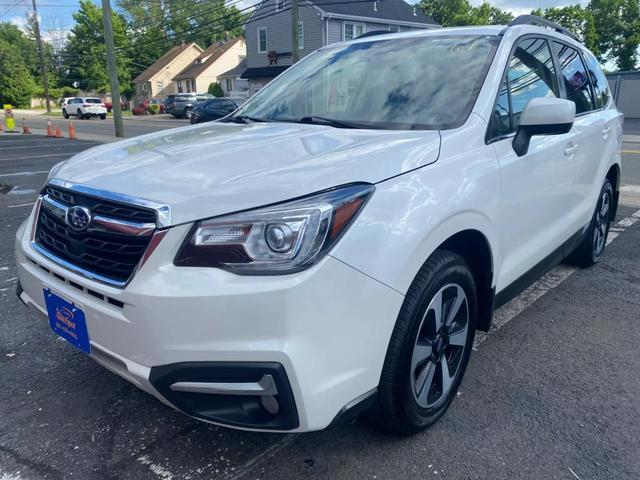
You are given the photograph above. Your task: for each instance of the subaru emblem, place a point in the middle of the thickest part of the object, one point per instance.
(78, 218)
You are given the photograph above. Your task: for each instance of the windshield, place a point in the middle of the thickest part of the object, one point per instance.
(410, 83)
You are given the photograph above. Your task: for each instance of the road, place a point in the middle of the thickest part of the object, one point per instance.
(552, 394)
(87, 129)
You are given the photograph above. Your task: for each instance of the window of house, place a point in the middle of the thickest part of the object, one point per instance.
(301, 35)
(598, 80)
(575, 78)
(160, 86)
(229, 84)
(262, 40)
(279, 5)
(352, 30)
(531, 74)
(180, 86)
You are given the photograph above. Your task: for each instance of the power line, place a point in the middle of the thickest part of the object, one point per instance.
(14, 4)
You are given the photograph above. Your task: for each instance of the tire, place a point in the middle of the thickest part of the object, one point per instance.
(592, 247)
(65, 115)
(103, 117)
(417, 353)
(80, 116)
(187, 113)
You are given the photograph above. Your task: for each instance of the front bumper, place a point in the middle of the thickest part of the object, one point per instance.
(326, 330)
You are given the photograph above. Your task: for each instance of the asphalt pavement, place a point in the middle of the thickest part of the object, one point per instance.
(552, 393)
(102, 130)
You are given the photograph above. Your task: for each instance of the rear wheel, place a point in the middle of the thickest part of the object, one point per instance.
(592, 246)
(103, 117)
(80, 116)
(430, 346)
(65, 114)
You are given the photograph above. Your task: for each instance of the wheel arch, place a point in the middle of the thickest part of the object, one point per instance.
(474, 247)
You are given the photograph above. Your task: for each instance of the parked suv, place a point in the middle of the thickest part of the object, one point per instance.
(181, 104)
(334, 244)
(85, 108)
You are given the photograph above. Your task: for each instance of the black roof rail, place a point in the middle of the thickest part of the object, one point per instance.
(542, 22)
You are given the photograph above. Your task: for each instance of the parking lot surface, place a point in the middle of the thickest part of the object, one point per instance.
(552, 393)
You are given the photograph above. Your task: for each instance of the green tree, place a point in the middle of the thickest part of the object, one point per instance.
(25, 45)
(84, 56)
(487, 14)
(16, 81)
(155, 26)
(618, 30)
(576, 19)
(216, 90)
(451, 13)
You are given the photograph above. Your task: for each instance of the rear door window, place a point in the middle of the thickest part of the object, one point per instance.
(575, 77)
(598, 81)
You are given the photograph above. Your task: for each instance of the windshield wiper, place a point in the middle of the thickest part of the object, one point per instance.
(245, 119)
(331, 122)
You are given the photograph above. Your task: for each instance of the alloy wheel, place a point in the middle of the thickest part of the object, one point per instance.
(601, 226)
(440, 345)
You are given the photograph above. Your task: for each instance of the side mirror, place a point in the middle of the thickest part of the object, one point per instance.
(543, 116)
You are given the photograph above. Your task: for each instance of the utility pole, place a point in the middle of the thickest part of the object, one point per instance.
(113, 69)
(295, 19)
(43, 68)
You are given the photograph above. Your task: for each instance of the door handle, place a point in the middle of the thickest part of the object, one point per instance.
(570, 150)
(606, 131)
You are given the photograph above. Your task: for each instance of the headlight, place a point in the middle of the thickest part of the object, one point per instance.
(280, 239)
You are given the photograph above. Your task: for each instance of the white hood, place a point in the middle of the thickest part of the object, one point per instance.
(217, 168)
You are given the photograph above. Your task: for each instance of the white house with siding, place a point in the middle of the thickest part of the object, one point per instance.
(269, 35)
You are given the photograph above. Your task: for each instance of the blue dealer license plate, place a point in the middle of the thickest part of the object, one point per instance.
(67, 320)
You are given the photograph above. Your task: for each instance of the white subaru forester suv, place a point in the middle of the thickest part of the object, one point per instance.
(333, 245)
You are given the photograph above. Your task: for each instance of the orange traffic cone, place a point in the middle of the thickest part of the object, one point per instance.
(49, 128)
(58, 132)
(72, 131)
(25, 128)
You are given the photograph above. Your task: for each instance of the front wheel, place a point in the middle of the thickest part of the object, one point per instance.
(103, 117)
(592, 247)
(430, 346)
(80, 115)
(187, 114)
(65, 114)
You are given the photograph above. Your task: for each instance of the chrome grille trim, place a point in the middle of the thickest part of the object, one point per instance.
(163, 211)
(104, 224)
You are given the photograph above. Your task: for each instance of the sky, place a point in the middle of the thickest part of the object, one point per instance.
(57, 17)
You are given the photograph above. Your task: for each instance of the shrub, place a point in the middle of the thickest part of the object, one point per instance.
(153, 109)
(216, 90)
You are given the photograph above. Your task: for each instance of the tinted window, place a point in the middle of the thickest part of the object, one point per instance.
(530, 74)
(212, 105)
(575, 78)
(598, 80)
(405, 83)
(92, 100)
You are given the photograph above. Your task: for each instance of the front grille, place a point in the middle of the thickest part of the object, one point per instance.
(98, 206)
(109, 254)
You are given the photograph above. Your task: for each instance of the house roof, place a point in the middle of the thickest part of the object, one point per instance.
(164, 61)
(235, 71)
(397, 10)
(206, 59)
